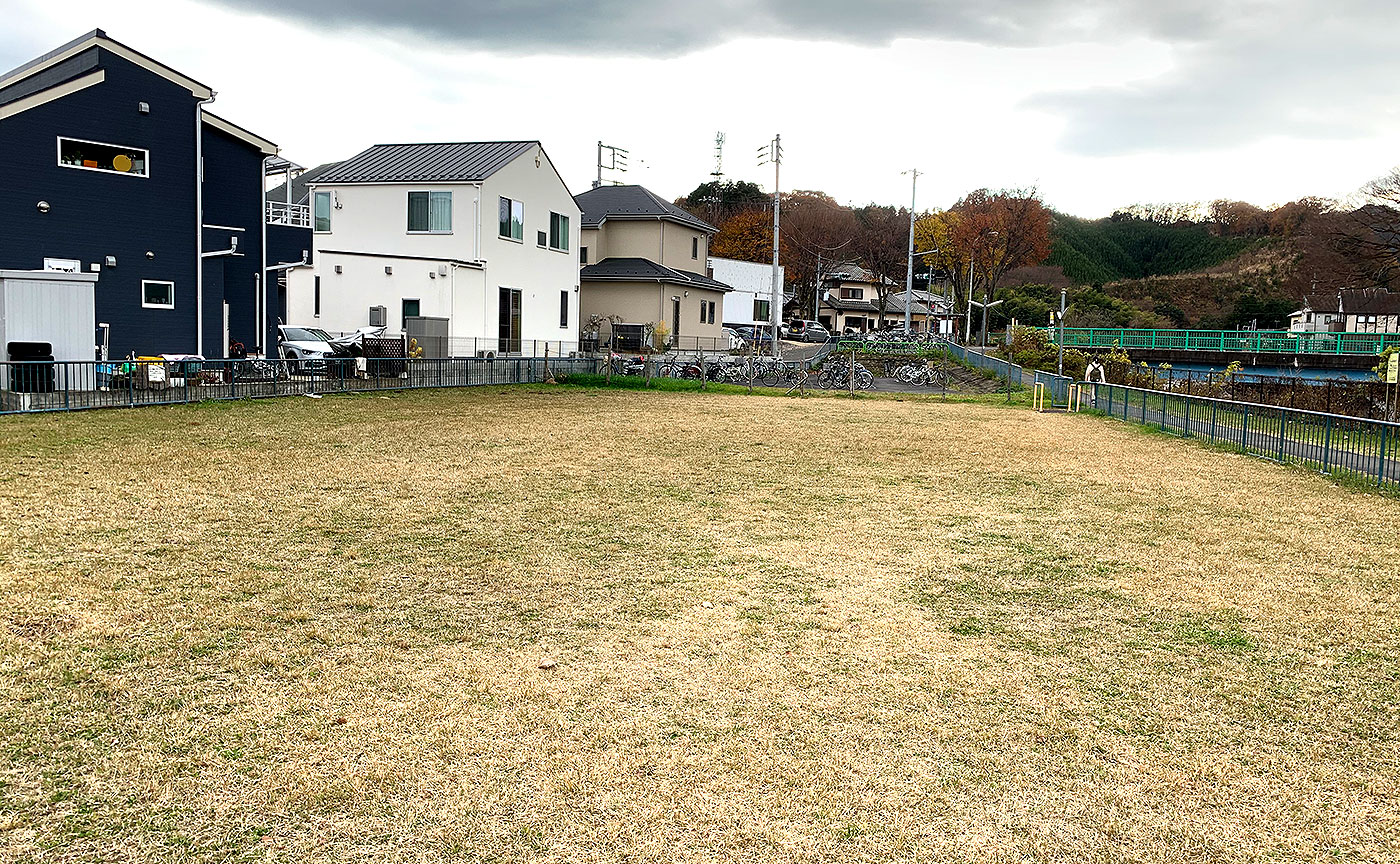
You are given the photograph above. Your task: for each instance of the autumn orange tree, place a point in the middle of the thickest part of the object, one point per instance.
(745, 236)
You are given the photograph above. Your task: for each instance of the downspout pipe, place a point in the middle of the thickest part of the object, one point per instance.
(262, 271)
(199, 221)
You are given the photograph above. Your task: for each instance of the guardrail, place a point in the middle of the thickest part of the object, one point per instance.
(1363, 450)
(1256, 341)
(1057, 387)
(37, 386)
(293, 215)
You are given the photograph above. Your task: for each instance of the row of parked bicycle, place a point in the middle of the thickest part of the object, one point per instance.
(833, 374)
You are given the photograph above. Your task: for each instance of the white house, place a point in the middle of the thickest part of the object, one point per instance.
(750, 302)
(484, 235)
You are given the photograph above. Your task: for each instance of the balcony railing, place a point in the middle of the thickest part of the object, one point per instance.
(292, 215)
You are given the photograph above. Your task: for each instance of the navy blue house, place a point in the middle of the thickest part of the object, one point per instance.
(104, 147)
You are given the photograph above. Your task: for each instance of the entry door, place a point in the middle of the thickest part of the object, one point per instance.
(509, 330)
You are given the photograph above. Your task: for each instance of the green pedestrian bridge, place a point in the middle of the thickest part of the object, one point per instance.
(1244, 341)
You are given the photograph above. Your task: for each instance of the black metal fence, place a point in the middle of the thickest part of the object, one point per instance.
(1366, 398)
(30, 387)
(1363, 450)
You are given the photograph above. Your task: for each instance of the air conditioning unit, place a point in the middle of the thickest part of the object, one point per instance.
(378, 316)
(338, 270)
(486, 355)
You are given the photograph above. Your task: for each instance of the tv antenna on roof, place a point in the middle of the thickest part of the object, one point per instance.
(617, 161)
(719, 157)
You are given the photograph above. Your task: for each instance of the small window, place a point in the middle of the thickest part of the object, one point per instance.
(95, 156)
(316, 298)
(410, 310)
(852, 293)
(702, 311)
(430, 212)
(563, 309)
(323, 212)
(760, 310)
(695, 248)
(712, 311)
(512, 219)
(541, 239)
(158, 295)
(583, 254)
(559, 232)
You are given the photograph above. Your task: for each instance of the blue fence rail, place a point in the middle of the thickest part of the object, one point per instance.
(1358, 449)
(1057, 386)
(31, 387)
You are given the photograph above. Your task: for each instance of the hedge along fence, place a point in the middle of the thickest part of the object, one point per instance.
(1351, 448)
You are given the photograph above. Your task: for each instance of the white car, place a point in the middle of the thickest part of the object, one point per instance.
(307, 346)
(736, 342)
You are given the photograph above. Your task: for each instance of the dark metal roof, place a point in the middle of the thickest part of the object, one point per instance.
(643, 270)
(300, 194)
(468, 162)
(633, 202)
(1370, 301)
(96, 38)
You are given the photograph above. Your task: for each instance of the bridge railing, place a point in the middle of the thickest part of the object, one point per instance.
(1255, 341)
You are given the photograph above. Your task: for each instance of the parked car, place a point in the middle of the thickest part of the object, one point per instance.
(806, 331)
(308, 347)
(751, 334)
(736, 341)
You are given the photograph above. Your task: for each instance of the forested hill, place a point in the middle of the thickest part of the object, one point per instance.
(1101, 251)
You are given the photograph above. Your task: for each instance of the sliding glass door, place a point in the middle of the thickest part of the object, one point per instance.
(509, 332)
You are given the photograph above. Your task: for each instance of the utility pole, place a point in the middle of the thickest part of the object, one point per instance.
(909, 266)
(817, 292)
(967, 325)
(1064, 300)
(773, 152)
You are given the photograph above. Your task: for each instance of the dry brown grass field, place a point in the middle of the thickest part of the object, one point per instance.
(781, 630)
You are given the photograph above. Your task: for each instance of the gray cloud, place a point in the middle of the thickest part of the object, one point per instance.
(1304, 70)
(670, 27)
(1243, 69)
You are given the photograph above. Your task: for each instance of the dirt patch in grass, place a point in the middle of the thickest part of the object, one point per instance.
(781, 630)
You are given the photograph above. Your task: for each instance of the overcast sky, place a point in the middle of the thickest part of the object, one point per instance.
(1098, 103)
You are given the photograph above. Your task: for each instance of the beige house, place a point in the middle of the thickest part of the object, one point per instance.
(643, 273)
(1362, 310)
(851, 301)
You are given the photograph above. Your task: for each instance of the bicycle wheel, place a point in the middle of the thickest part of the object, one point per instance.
(864, 380)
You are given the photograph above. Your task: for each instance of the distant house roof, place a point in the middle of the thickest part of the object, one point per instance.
(466, 162)
(300, 194)
(642, 270)
(1370, 301)
(633, 202)
(855, 273)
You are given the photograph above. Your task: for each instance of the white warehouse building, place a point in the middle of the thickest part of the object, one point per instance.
(750, 302)
(483, 236)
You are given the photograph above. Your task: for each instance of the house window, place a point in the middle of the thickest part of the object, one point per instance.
(563, 310)
(158, 295)
(559, 232)
(512, 220)
(583, 254)
(695, 248)
(852, 293)
(430, 212)
(760, 310)
(410, 310)
(323, 212)
(702, 311)
(316, 298)
(712, 311)
(541, 239)
(96, 156)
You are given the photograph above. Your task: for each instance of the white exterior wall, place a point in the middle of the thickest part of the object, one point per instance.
(750, 282)
(373, 218)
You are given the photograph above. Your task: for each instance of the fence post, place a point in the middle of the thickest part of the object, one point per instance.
(1244, 431)
(1214, 407)
(1327, 446)
(1380, 459)
(851, 378)
(1282, 426)
(1186, 400)
(131, 385)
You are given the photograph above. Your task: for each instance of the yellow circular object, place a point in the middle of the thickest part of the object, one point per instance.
(122, 162)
